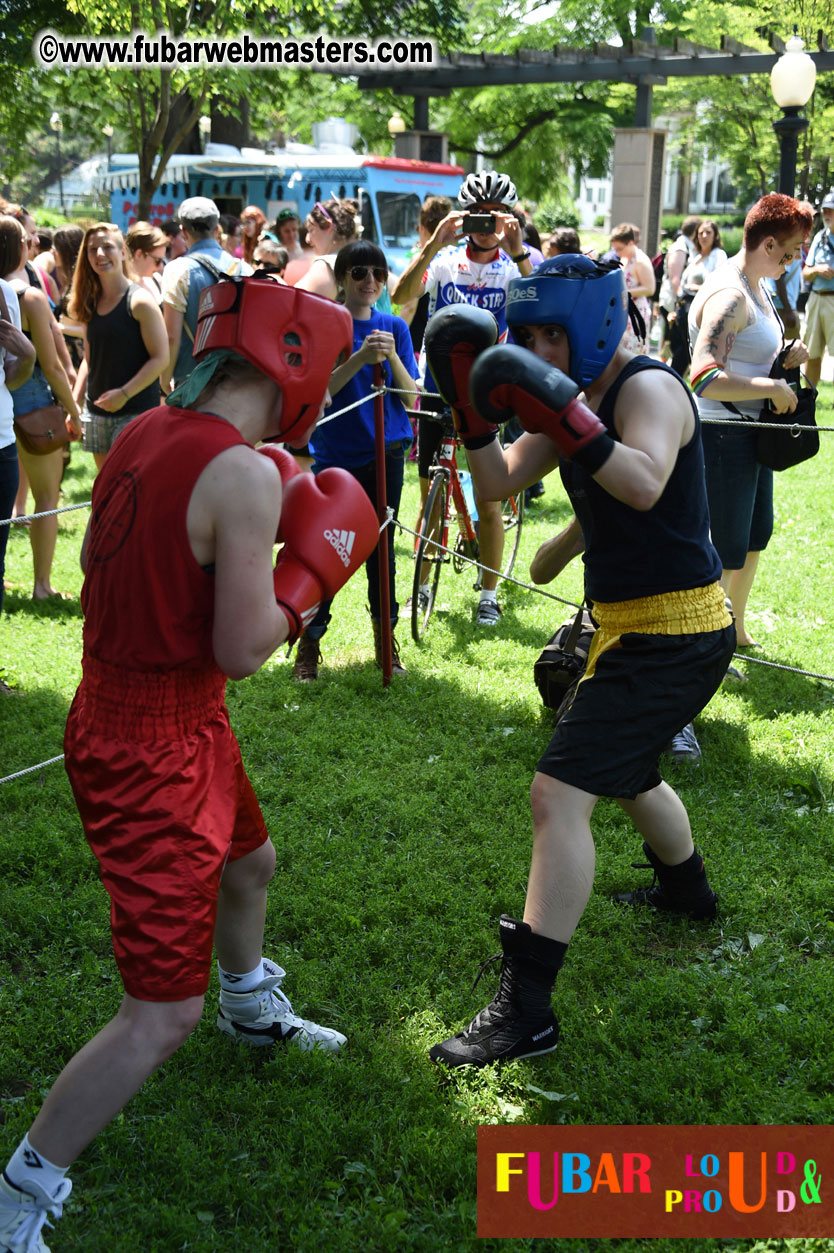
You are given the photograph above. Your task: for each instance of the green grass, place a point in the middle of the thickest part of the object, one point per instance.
(401, 820)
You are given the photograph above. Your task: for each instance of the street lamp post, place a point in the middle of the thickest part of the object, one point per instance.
(57, 126)
(396, 127)
(204, 125)
(792, 81)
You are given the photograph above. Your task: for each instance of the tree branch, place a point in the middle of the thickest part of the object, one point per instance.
(544, 115)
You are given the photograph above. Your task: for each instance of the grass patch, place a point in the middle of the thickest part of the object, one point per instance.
(401, 820)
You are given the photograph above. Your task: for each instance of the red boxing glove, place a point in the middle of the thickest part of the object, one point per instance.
(454, 338)
(508, 379)
(330, 529)
(288, 468)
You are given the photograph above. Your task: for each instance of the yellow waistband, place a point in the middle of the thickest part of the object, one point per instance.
(688, 612)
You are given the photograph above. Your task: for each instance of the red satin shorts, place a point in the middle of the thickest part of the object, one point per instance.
(165, 802)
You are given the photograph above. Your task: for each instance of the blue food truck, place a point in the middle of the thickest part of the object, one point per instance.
(390, 190)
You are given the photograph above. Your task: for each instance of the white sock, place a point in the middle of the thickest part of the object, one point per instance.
(240, 983)
(25, 1164)
(487, 595)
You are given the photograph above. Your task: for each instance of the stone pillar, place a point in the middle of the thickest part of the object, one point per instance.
(637, 191)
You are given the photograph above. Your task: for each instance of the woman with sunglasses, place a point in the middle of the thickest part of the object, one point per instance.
(270, 259)
(146, 246)
(361, 271)
(329, 227)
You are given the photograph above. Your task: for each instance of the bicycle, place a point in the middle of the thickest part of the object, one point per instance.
(447, 502)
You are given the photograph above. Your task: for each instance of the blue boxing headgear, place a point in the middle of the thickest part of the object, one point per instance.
(587, 299)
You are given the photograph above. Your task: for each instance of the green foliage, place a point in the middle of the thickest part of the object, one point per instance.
(733, 116)
(401, 819)
(552, 212)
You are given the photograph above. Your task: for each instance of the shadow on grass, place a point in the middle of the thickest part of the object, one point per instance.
(16, 601)
(770, 692)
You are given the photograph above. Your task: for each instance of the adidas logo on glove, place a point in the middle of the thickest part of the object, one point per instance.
(343, 542)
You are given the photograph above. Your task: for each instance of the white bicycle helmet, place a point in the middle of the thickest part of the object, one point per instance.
(488, 187)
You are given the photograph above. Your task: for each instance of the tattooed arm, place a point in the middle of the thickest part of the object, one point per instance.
(723, 317)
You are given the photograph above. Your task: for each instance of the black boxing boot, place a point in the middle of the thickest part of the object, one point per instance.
(519, 1021)
(682, 889)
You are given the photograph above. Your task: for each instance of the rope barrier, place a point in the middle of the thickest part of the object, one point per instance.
(764, 426)
(390, 519)
(47, 513)
(531, 587)
(30, 769)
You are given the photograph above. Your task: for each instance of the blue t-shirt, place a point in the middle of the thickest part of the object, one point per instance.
(349, 440)
(793, 280)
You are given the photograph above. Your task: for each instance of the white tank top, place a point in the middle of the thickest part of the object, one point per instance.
(755, 348)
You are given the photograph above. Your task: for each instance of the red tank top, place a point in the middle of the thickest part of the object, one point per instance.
(147, 604)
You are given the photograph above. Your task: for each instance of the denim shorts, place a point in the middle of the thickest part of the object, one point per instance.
(739, 492)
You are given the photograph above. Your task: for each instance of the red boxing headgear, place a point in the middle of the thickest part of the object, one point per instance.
(293, 337)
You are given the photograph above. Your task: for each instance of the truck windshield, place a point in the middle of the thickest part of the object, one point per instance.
(399, 214)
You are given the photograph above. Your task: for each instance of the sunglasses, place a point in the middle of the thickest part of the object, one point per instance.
(360, 272)
(269, 267)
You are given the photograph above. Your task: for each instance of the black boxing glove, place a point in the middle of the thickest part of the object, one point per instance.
(509, 380)
(455, 336)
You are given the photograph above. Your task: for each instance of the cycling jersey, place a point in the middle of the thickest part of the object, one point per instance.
(454, 277)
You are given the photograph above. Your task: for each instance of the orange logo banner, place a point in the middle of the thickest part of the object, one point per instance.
(655, 1181)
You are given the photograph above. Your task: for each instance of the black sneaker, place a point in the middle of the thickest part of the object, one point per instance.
(519, 1021)
(676, 889)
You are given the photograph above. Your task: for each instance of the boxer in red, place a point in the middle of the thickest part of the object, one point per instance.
(179, 595)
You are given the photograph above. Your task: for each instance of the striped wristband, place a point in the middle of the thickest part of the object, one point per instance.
(704, 377)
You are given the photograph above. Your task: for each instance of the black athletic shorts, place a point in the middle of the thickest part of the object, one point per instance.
(641, 692)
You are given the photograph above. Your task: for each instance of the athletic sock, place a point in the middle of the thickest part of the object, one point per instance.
(241, 983)
(486, 595)
(26, 1164)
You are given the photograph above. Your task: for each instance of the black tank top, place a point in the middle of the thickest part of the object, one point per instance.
(631, 553)
(117, 352)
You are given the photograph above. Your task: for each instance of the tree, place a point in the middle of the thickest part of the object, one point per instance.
(158, 106)
(734, 116)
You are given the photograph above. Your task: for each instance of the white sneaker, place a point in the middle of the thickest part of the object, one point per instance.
(23, 1214)
(264, 1016)
(489, 611)
(684, 745)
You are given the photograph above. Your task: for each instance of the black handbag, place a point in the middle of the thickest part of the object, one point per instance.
(799, 439)
(562, 662)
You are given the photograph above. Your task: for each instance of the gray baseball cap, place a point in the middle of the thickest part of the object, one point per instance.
(828, 199)
(198, 209)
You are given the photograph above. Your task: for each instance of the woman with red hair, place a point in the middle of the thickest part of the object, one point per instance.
(736, 333)
(252, 222)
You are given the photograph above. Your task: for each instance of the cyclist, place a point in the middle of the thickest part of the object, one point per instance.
(629, 453)
(477, 271)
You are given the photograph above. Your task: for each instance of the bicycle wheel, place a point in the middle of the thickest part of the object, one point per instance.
(512, 516)
(422, 601)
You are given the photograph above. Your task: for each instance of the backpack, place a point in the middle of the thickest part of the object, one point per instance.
(659, 266)
(562, 662)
